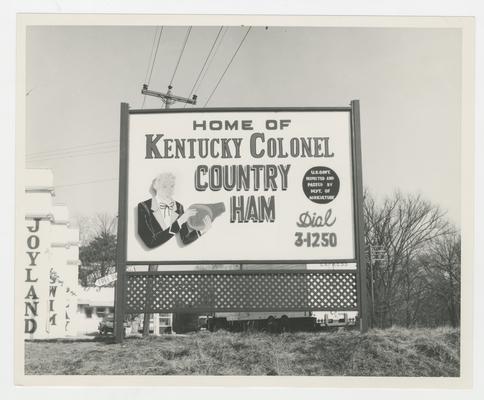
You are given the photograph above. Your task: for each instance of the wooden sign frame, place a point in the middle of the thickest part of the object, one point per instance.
(360, 259)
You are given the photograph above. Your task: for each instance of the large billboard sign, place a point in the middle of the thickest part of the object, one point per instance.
(240, 185)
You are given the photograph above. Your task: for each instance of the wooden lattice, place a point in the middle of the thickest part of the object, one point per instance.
(217, 291)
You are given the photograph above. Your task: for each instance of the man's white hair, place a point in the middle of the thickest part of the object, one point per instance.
(163, 177)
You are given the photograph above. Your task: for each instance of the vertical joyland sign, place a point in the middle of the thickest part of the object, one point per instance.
(265, 185)
(37, 252)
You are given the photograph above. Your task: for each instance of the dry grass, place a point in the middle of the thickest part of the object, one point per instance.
(391, 352)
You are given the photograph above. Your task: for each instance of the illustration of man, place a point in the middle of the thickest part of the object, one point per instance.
(160, 218)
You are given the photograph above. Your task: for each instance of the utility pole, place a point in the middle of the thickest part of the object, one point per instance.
(377, 253)
(371, 288)
(168, 98)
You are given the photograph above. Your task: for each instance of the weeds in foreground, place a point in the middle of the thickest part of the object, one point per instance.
(391, 352)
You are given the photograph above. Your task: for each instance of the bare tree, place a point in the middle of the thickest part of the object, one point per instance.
(404, 226)
(99, 224)
(104, 224)
(84, 224)
(98, 251)
(442, 265)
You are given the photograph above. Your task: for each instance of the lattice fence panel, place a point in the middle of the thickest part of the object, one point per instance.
(242, 291)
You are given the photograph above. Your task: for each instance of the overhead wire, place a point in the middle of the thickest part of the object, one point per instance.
(217, 48)
(72, 153)
(149, 63)
(86, 183)
(81, 147)
(61, 156)
(148, 78)
(151, 54)
(90, 149)
(156, 53)
(181, 54)
(204, 64)
(228, 66)
(104, 147)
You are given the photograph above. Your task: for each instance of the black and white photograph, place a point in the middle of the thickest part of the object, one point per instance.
(227, 197)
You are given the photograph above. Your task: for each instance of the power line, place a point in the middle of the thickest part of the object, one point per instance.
(211, 59)
(86, 183)
(71, 148)
(154, 58)
(153, 63)
(205, 63)
(181, 54)
(151, 53)
(61, 156)
(74, 152)
(149, 62)
(228, 65)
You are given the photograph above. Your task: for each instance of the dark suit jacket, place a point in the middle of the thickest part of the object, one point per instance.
(151, 232)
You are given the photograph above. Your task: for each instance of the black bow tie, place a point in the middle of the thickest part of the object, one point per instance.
(167, 207)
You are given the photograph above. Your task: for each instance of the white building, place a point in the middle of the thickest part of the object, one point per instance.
(92, 305)
(51, 261)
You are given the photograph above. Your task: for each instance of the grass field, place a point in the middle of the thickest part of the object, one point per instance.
(391, 352)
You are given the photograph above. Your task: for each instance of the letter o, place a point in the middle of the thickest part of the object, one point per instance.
(271, 147)
(215, 175)
(216, 125)
(33, 242)
(271, 124)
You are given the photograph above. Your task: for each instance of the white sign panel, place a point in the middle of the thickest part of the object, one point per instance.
(240, 186)
(106, 280)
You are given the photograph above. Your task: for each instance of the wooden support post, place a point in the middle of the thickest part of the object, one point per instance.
(363, 303)
(120, 290)
(146, 314)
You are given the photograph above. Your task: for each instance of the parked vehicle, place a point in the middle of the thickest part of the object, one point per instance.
(279, 321)
(165, 324)
(335, 320)
(106, 326)
(202, 322)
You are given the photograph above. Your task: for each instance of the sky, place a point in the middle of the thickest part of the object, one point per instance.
(408, 82)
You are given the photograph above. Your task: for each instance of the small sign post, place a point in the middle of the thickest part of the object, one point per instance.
(106, 280)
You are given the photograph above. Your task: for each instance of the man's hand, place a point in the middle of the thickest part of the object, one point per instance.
(187, 214)
(208, 224)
